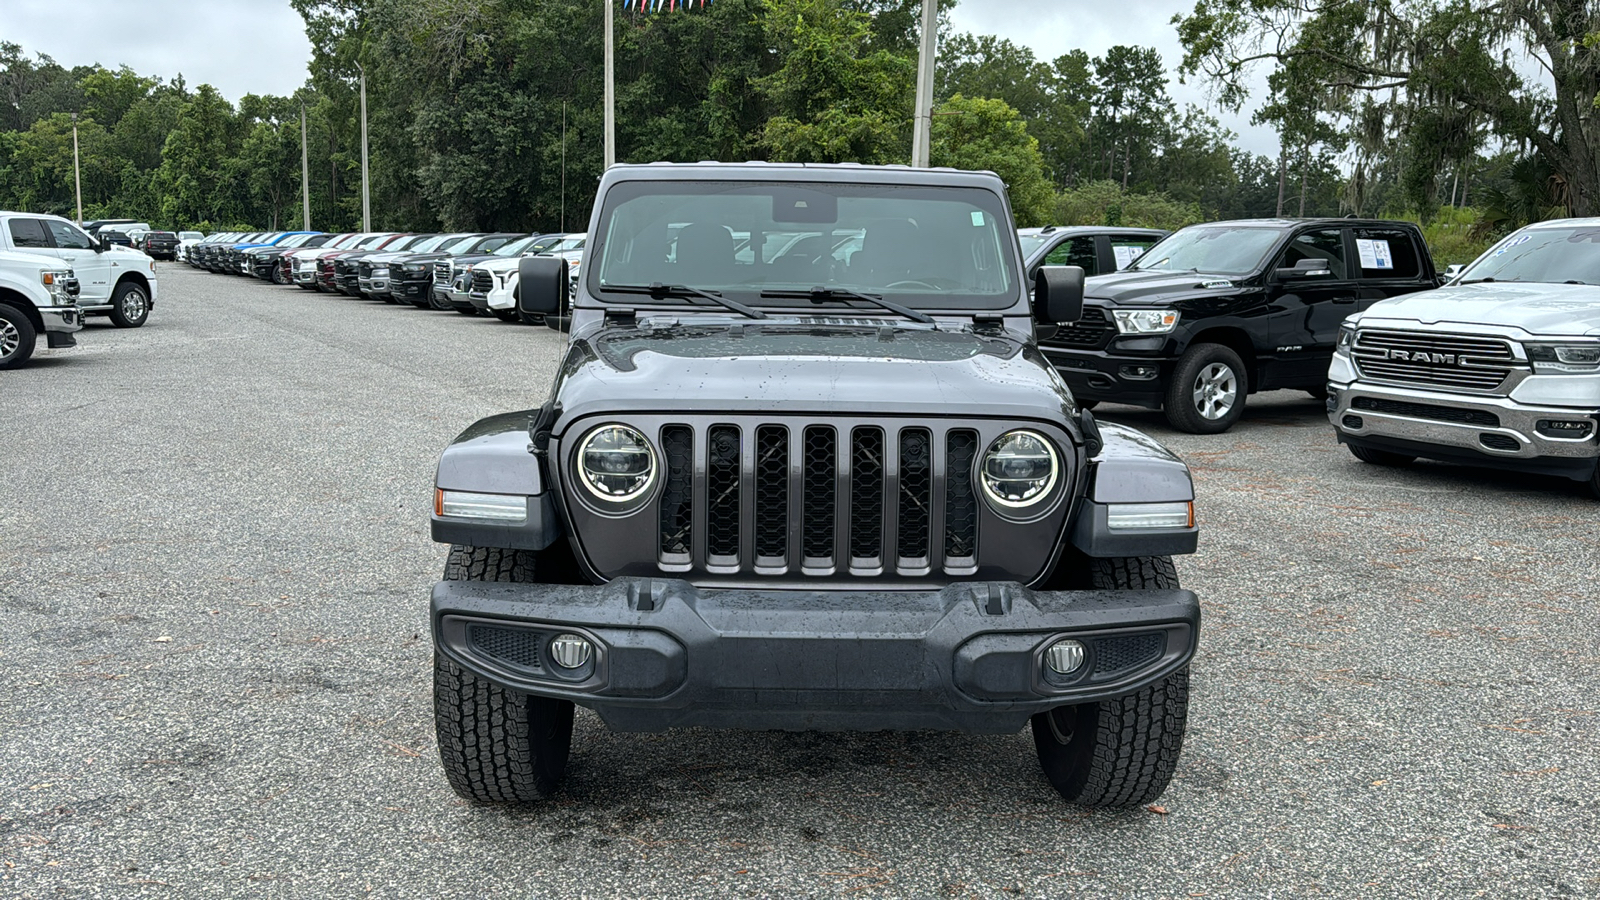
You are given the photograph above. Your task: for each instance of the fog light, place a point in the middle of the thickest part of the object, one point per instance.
(569, 651)
(1353, 422)
(1140, 373)
(1563, 428)
(1064, 657)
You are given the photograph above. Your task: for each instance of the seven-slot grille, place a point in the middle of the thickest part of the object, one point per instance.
(818, 499)
(442, 271)
(1449, 361)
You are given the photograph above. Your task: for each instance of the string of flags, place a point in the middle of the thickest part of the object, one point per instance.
(660, 5)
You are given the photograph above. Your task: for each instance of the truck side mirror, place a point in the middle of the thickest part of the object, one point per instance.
(1058, 295)
(1450, 272)
(1307, 268)
(542, 284)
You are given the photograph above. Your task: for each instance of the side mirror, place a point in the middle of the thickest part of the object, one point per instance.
(1450, 272)
(1058, 295)
(542, 284)
(1307, 268)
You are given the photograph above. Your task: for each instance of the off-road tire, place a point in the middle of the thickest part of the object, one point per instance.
(496, 745)
(1120, 752)
(17, 338)
(1180, 404)
(1380, 457)
(130, 305)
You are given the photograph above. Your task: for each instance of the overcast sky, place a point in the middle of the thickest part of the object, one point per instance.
(259, 46)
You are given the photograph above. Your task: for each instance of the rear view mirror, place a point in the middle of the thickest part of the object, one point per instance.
(542, 284)
(1058, 295)
(1307, 268)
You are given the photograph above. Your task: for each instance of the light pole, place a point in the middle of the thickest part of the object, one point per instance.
(366, 194)
(77, 173)
(305, 173)
(921, 132)
(611, 89)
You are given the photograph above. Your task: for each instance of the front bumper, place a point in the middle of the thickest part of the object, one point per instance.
(968, 657)
(1486, 427)
(1115, 375)
(61, 320)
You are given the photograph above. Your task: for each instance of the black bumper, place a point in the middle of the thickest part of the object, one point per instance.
(1113, 375)
(969, 657)
(411, 290)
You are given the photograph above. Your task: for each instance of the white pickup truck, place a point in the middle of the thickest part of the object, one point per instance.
(37, 296)
(1499, 368)
(114, 281)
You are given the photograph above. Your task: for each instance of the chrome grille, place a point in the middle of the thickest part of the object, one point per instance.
(441, 272)
(1448, 361)
(818, 499)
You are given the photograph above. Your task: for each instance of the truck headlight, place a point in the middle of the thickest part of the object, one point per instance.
(1145, 321)
(616, 463)
(56, 282)
(1553, 358)
(1020, 469)
(1347, 337)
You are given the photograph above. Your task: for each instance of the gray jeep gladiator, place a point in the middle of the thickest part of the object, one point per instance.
(804, 467)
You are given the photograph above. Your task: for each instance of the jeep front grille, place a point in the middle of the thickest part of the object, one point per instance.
(818, 499)
(1450, 362)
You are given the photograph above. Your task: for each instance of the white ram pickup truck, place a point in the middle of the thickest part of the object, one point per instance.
(1499, 368)
(37, 297)
(114, 281)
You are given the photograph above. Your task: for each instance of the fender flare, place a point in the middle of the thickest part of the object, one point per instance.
(496, 456)
(1132, 467)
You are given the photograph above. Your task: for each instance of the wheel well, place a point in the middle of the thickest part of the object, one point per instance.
(133, 276)
(1234, 339)
(12, 298)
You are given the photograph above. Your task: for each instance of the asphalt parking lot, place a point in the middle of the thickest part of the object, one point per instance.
(214, 565)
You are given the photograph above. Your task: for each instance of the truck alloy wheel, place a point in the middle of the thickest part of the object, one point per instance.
(1207, 391)
(16, 337)
(130, 307)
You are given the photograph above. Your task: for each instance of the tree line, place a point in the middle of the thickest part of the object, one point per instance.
(486, 114)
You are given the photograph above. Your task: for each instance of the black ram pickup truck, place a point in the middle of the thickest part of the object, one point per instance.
(828, 485)
(1216, 312)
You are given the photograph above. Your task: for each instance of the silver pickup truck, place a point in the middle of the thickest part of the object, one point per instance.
(1501, 367)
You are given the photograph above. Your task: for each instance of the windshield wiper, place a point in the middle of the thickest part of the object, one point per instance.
(659, 291)
(1488, 280)
(825, 295)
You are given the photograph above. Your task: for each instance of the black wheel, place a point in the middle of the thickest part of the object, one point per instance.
(505, 315)
(529, 319)
(433, 302)
(130, 305)
(466, 310)
(277, 275)
(1206, 395)
(17, 337)
(1318, 393)
(1594, 483)
(1120, 752)
(497, 745)
(1380, 457)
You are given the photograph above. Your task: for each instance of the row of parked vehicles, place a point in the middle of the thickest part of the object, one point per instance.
(470, 273)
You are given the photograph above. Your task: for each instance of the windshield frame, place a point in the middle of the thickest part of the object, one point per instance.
(1013, 297)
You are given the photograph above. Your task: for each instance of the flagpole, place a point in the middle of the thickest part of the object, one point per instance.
(611, 89)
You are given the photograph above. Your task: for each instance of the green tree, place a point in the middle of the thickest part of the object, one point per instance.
(989, 135)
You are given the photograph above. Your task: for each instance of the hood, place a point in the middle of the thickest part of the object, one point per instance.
(1148, 288)
(499, 264)
(860, 367)
(117, 251)
(1556, 309)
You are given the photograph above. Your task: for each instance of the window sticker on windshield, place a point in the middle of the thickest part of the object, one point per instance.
(977, 218)
(1375, 254)
(1519, 239)
(1126, 255)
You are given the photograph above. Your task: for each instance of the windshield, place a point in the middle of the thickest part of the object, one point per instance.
(460, 244)
(929, 247)
(516, 247)
(431, 243)
(1569, 255)
(1214, 249)
(1030, 243)
(295, 240)
(565, 244)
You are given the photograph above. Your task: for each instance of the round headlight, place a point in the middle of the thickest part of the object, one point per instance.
(616, 463)
(1020, 469)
